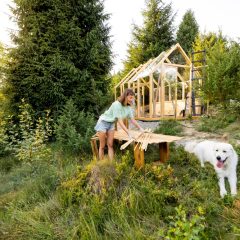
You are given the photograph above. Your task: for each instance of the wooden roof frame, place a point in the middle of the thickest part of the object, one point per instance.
(134, 77)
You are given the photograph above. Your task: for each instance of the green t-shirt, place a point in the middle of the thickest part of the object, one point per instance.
(117, 111)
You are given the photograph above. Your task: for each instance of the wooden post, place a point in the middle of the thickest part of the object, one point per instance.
(139, 157)
(138, 98)
(164, 151)
(94, 148)
(162, 92)
(143, 108)
(175, 110)
(151, 96)
(190, 91)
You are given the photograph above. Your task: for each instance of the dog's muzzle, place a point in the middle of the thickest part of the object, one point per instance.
(220, 162)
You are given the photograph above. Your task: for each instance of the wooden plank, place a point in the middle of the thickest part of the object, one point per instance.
(94, 148)
(164, 151)
(143, 106)
(125, 77)
(138, 98)
(183, 53)
(143, 66)
(139, 157)
(162, 94)
(151, 96)
(190, 92)
(176, 65)
(175, 109)
(155, 138)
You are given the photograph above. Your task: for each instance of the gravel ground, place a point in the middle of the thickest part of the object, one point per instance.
(153, 125)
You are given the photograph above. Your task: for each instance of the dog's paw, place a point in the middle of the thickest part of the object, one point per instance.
(223, 193)
(233, 194)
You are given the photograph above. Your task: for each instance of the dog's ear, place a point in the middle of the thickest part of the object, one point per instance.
(231, 150)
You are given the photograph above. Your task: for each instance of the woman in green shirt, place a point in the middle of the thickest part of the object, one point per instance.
(119, 110)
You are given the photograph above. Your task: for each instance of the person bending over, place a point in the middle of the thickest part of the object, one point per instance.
(119, 110)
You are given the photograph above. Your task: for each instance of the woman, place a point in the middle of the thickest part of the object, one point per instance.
(119, 110)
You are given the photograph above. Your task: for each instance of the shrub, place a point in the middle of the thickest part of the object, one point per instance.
(74, 129)
(213, 123)
(170, 127)
(26, 137)
(182, 227)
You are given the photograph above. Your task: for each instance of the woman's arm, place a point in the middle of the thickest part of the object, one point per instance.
(122, 125)
(135, 123)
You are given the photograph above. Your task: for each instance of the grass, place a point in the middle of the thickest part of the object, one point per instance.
(75, 198)
(170, 127)
(66, 196)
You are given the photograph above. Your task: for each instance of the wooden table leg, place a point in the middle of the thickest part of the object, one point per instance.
(164, 151)
(94, 148)
(139, 157)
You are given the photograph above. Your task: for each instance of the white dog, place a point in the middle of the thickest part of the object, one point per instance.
(222, 156)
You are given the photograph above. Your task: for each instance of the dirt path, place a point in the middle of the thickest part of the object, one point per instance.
(190, 133)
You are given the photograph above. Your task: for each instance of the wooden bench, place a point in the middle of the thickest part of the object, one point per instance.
(160, 139)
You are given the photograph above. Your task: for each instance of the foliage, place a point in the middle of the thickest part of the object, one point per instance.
(111, 200)
(27, 139)
(217, 120)
(169, 127)
(155, 36)
(74, 129)
(62, 51)
(187, 31)
(183, 228)
(221, 84)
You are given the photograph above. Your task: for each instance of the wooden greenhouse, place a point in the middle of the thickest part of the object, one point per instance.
(162, 86)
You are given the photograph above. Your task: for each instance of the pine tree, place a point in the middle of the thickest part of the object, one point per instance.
(187, 31)
(155, 36)
(62, 52)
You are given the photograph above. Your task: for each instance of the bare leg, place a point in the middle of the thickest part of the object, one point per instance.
(102, 143)
(110, 137)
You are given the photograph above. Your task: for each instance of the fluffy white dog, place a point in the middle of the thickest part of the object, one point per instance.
(222, 156)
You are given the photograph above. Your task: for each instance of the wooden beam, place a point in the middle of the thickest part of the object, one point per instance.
(129, 73)
(143, 107)
(164, 151)
(175, 109)
(183, 53)
(180, 77)
(132, 74)
(94, 148)
(190, 92)
(138, 98)
(143, 67)
(162, 94)
(151, 96)
(176, 65)
(138, 156)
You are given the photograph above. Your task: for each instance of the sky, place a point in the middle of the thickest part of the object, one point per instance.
(211, 15)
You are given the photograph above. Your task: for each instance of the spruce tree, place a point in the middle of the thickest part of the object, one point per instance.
(62, 51)
(187, 31)
(155, 36)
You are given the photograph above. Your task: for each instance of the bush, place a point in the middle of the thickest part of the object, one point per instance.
(170, 127)
(182, 227)
(74, 129)
(219, 119)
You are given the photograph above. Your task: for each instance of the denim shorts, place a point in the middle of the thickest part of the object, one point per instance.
(103, 126)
